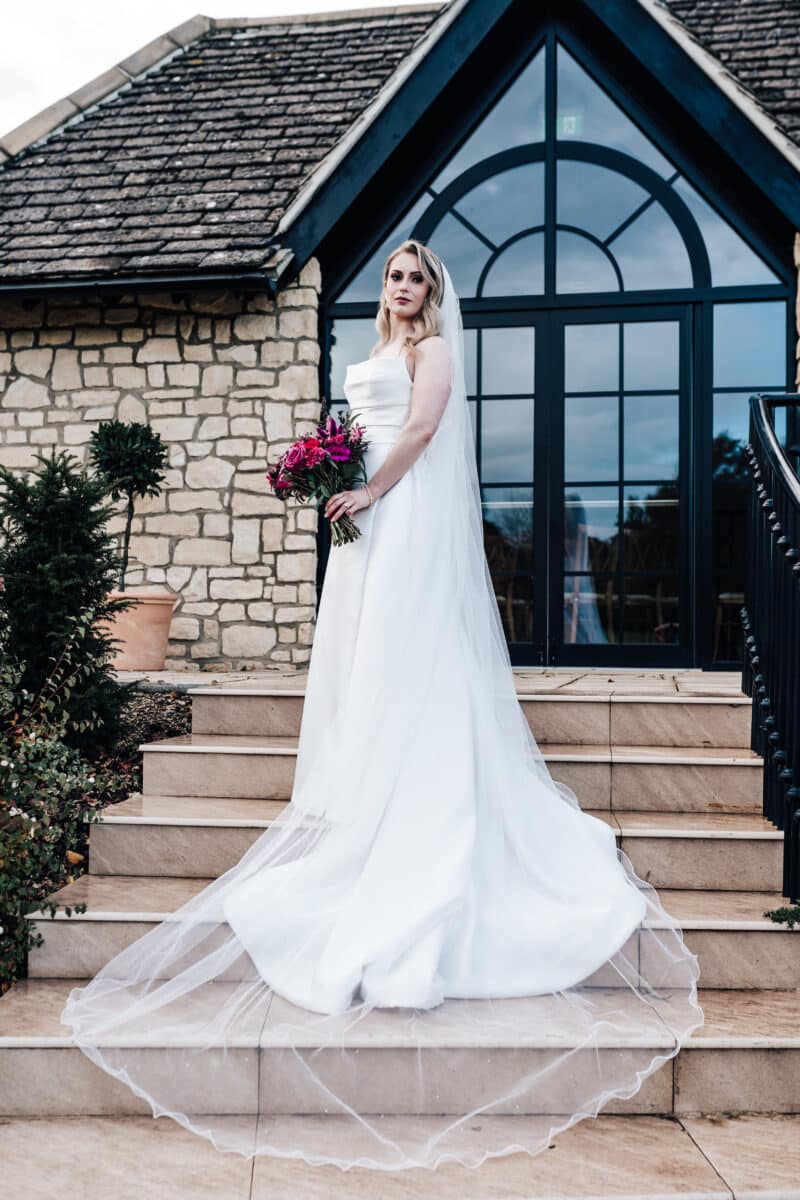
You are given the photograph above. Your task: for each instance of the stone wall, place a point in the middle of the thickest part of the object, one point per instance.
(228, 382)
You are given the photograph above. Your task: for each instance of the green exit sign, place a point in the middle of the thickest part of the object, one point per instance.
(569, 123)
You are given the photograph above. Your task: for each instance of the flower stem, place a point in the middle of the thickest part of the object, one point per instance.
(344, 530)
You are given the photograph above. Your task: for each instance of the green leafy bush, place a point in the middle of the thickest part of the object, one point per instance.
(48, 798)
(58, 564)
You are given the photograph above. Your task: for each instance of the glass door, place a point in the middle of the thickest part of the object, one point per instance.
(619, 460)
(501, 375)
(583, 445)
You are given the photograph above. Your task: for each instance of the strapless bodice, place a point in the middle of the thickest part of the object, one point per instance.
(379, 391)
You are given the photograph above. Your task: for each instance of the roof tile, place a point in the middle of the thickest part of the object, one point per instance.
(202, 154)
(192, 164)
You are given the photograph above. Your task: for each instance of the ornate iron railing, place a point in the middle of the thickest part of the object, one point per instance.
(771, 620)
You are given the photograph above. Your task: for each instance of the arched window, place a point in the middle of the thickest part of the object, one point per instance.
(598, 285)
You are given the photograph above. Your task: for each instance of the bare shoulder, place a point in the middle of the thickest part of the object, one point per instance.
(432, 352)
(434, 348)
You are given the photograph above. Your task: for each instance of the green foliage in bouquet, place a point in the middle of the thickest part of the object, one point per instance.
(329, 461)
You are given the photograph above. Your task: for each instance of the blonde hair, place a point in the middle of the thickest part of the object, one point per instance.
(428, 321)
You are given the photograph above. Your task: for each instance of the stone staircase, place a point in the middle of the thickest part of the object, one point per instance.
(662, 757)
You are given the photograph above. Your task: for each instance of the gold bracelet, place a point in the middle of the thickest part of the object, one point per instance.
(369, 493)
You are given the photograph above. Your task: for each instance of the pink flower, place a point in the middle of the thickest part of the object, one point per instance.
(315, 454)
(295, 456)
(339, 453)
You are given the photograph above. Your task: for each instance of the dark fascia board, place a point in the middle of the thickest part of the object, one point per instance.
(684, 70)
(417, 93)
(250, 282)
(696, 80)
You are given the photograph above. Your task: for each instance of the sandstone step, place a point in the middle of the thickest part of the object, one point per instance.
(705, 1158)
(185, 836)
(738, 947)
(707, 851)
(745, 1058)
(662, 778)
(200, 837)
(556, 715)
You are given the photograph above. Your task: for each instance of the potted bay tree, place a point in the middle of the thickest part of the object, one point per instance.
(131, 458)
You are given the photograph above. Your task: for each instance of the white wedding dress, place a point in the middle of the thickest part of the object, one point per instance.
(433, 954)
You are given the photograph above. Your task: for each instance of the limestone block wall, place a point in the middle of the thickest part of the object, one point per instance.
(228, 382)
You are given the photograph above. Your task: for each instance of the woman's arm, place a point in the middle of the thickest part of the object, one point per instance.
(429, 393)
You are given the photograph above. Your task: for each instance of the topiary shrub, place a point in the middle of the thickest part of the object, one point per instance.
(58, 564)
(131, 458)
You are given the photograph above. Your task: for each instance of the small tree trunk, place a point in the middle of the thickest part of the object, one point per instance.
(126, 541)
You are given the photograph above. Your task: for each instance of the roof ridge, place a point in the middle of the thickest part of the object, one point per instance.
(329, 15)
(155, 53)
(80, 101)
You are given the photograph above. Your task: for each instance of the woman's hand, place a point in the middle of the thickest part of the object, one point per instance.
(342, 504)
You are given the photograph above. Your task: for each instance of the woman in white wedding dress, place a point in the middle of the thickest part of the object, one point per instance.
(432, 954)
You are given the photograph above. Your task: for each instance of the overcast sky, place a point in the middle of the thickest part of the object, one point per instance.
(49, 47)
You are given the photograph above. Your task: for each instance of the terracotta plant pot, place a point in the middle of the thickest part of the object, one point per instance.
(142, 630)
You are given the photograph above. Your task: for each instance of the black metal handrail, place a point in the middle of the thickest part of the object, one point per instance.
(771, 620)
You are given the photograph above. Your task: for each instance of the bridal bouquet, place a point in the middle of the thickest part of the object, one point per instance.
(315, 467)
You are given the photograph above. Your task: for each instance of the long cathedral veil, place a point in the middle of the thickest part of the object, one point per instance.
(432, 954)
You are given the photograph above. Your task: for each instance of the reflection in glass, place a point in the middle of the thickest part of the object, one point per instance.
(472, 408)
(508, 528)
(590, 610)
(507, 441)
(591, 523)
(591, 437)
(516, 118)
(732, 260)
(727, 644)
(508, 360)
(730, 499)
(651, 253)
(650, 611)
(651, 355)
(595, 198)
(514, 595)
(366, 285)
(591, 358)
(651, 447)
(750, 344)
(588, 113)
(506, 203)
(651, 530)
(461, 250)
(730, 432)
(352, 338)
(581, 266)
(471, 361)
(519, 270)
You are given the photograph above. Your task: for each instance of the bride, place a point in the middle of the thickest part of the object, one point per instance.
(432, 954)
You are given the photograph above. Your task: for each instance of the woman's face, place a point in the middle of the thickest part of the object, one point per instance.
(405, 288)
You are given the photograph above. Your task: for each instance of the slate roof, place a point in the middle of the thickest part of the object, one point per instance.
(759, 42)
(183, 159)
(190, 167)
